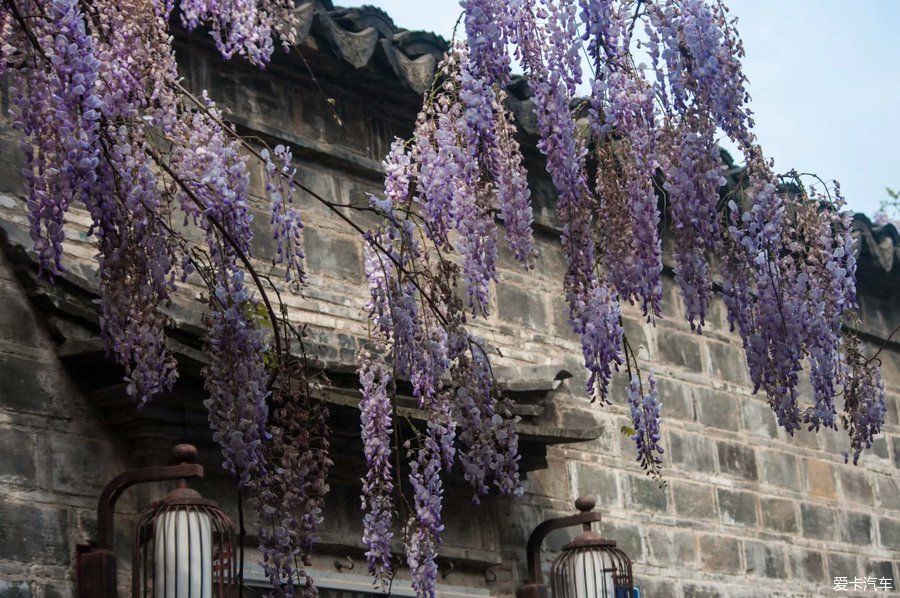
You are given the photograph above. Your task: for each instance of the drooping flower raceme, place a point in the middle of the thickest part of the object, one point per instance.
(645, 409)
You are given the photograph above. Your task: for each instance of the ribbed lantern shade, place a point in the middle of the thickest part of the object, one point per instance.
(183, 545)
(184, 548)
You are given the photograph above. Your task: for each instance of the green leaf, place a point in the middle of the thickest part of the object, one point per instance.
(628, 431)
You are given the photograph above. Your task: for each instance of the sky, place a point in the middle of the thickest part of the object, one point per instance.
(824, 77)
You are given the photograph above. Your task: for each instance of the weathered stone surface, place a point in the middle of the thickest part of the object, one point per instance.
(26, 386)
(820, 478)
(843, 565)
(856, 486)
(672, 548)
(332, 255)
(692, 451)
(694, 500)
(737, 460)
(33, 533)
(720, 554)
(765, 560)
(758, 418)
(727, 362)
(680, 350)
(599, 481)
(717, 409)
(779, 470)
(678, 401)
(627, 537)
(17, 461)
(698, 591)
(15, 589)
(737, 508)
(808, 565)
(80, 465)
(889, 532)
(645, 494)
(655, 587)
(888, 492)
(818, 522)
(520, 306)
(17, 323)
(857, 528)
(779, 515)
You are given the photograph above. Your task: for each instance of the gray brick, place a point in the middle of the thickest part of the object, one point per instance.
(808, 565)
(521, 306)
(672, 548)
(655, 587)
(779, 470)
(765, 560)
(820, 478)
(758, 418)
(11, 158)
(17, 464)
(15, 589)
(717, 409)
(779, 515)
(895, 450)
(645, 494)
(33, 534)
(25, 386)
(720, 554)
(857, 528)
(676, 398)
(697, 591)
(843, 565)
(680, 350)
(888, 491)
(856, 486)
(737, 460)
(627, 537)
(80, 465)
(599, 481)
(737, 508)
(889, 532)
(694, 500)
(332, 255)
(692, 451)
(728, 362)
(17, 322)
(818, 522)
(881, 569)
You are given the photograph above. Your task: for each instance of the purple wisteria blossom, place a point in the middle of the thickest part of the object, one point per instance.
(378, 485)
(287, 226)
(645, 420)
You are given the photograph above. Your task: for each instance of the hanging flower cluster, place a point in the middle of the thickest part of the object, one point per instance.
(107, 128)
(645, 419)
(419, 343)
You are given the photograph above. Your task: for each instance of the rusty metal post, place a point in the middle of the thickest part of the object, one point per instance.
(95, 563)
(535, 587)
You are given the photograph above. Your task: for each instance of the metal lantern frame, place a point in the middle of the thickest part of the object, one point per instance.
(96, 563)
(585, 555)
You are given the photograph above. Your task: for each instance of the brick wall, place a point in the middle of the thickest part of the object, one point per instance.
(747, 510)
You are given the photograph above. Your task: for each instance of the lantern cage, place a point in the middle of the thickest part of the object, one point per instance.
(184, 547)
(590, 566)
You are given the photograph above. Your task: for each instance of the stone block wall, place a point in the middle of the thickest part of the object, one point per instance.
(747, 510)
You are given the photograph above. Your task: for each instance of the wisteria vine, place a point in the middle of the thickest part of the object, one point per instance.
(108, 128)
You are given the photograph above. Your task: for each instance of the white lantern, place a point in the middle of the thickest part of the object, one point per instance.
(184, 548)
